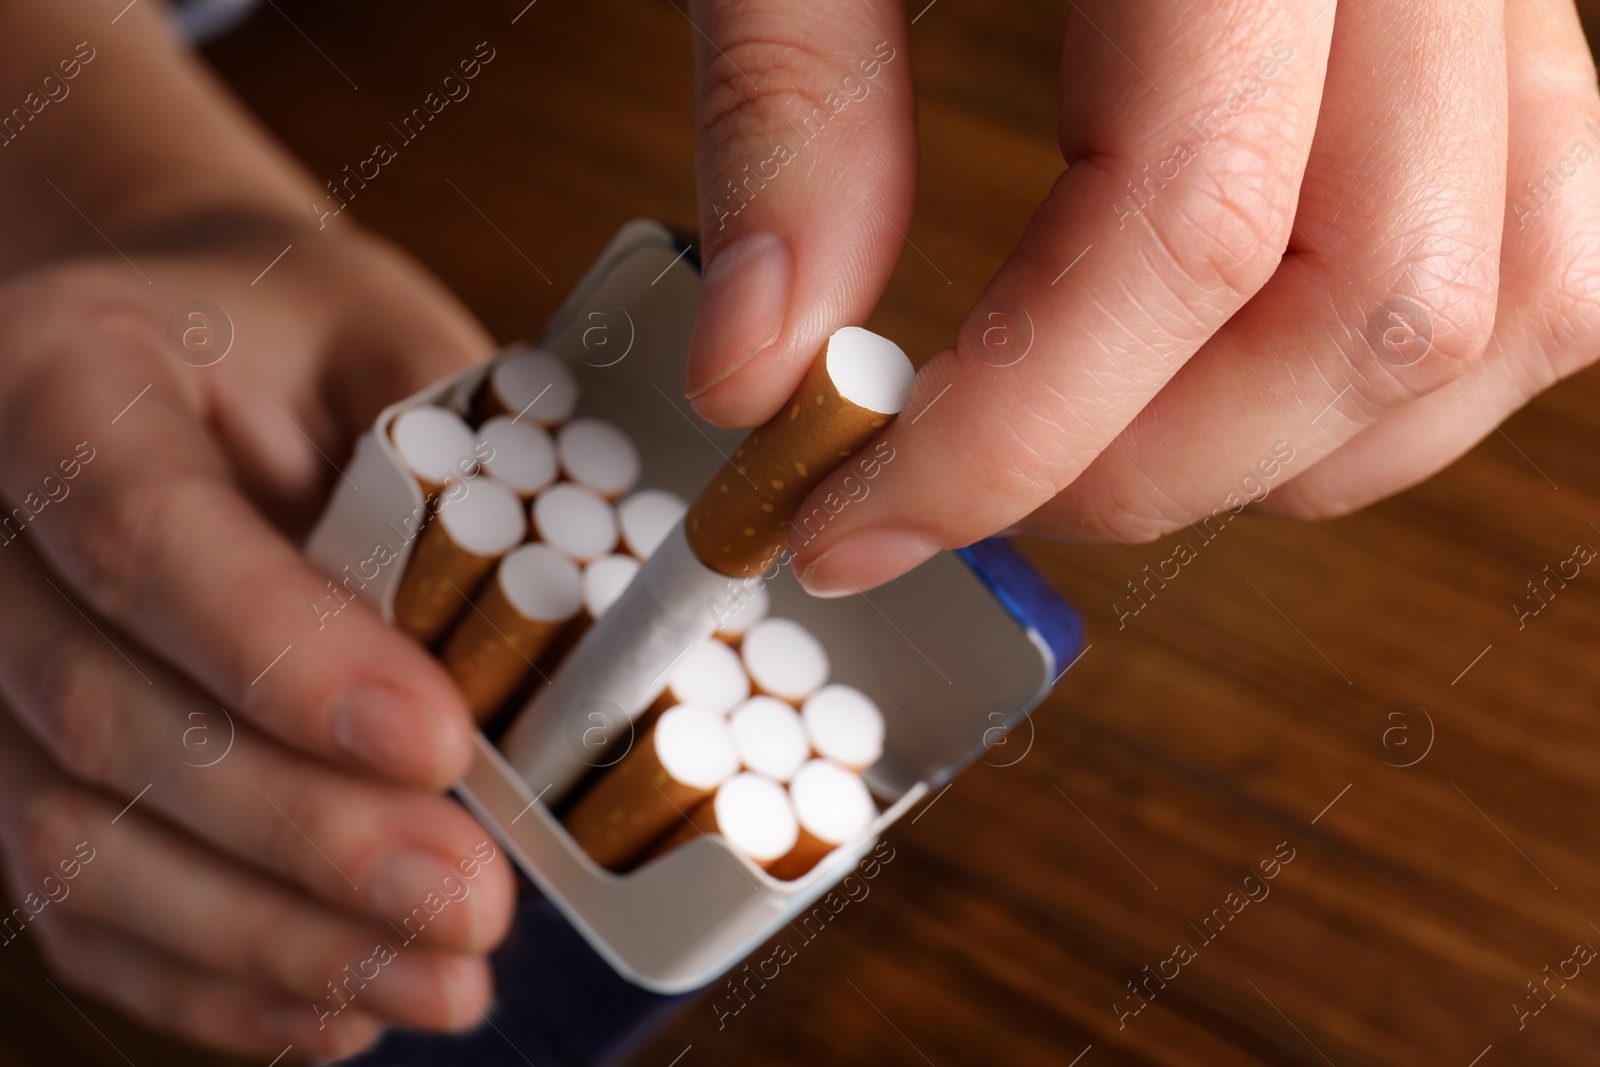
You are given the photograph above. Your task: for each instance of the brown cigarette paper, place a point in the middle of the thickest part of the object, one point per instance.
(740, 521)
(678, 763)
(751, 812)
(454, 553)
(529, 602)
(833, 807)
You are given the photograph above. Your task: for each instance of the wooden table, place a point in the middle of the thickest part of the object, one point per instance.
(1354, 694)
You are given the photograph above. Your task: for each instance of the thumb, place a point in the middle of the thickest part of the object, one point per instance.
(806, 160)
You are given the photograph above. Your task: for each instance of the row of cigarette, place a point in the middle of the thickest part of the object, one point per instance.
(776, 774)
(535, 532)
(542, 506)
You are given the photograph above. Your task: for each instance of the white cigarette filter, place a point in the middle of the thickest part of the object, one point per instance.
(597, 454)
(742, 520)
(784, 660)
(574, 520)
(709, 675)
(647, 517)
(678, 763)
(748, 606)
(478, 521)
(832, 806)
(518, 453)
(532, 386)
(769, 738)
(435, 445)
(604, 580)
(751, 812)
(532, 598)
(843, 724)
(734, 529)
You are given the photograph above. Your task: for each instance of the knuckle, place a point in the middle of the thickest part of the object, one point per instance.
(1221, 225)
(1409, 344)
(753, 83)
(1116, 510)
(72, 696)
(306, 813)
(52, 825)
(119, 548)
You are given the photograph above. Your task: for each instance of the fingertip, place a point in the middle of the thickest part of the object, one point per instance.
(418, 735)
(744, 304)
(469, 991)
(330, 1037)
(864, 560)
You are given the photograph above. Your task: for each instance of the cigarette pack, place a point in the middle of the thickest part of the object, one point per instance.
(956, 653)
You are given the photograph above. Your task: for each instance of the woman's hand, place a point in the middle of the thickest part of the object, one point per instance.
(1295, 252)
(228, 865)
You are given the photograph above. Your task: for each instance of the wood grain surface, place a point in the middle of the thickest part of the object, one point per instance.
(1355, 694)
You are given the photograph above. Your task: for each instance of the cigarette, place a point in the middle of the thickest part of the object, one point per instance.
(741, 521)
(647, 517)
(769, 738)
(751, 812)
(678, 763)
(757, 602)
(736, 526)
(470, 532)
(604, 581)
(601, 583)
(597, 454)
(833, 807)
(574, 520)
(532, 387)
(531, 599)
(709, 675)
(784, 660)
(843, 724)
(435, 445)
(519, 454)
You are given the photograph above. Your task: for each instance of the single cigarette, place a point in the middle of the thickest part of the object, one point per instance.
(754, 607)
(647, 517)
(751, 812)
(784, 660)
(470, 532)
(435, 445)
(597, 454)
(769, 738)
(843, 724)
(678, 763)
(833, 807)
(518, 453)
(531, 599)
(604, 580)
(739, 522)
(574, 520)
(532, 387)
(709, 675)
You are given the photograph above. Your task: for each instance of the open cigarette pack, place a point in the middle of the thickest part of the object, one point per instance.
(953, 655)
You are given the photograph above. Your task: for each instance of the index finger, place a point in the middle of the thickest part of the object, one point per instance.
(1186, 139)
(150, 528)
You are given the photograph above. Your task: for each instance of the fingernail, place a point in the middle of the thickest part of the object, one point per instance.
(383, 729)
(402, 881)
(431, 991)
(864, 560)
(743, 300)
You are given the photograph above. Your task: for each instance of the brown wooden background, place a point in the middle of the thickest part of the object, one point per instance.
(1189, 744)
